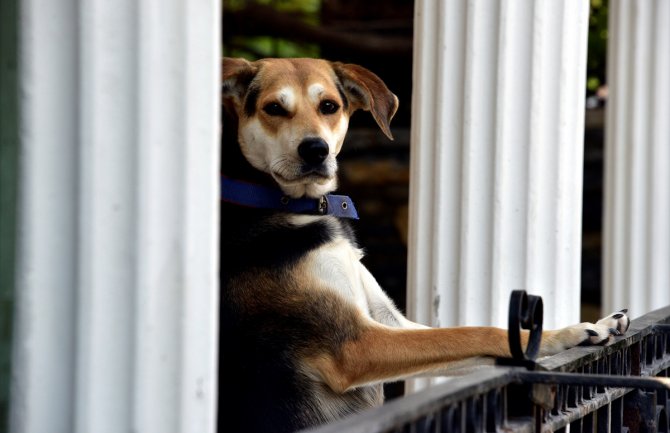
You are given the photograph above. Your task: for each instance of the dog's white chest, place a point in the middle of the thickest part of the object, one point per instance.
(337, 265)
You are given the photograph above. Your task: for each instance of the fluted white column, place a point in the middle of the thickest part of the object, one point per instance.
(636, 264)
(117, 302)
(496, 170)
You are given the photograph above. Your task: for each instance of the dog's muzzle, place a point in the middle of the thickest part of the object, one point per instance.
(313, 164)
(313, 151)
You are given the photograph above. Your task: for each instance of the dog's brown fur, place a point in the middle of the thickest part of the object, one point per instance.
(307, 334)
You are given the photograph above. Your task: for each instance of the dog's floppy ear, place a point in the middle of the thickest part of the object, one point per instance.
(367, 91)
(236, 75)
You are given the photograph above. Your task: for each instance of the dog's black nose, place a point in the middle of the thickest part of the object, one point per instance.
(313, 150)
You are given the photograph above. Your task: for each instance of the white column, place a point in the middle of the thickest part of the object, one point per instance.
(496, 174)
(117, 281)
(636, 259)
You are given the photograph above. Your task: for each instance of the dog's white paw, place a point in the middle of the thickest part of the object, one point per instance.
(618, 322)
(594, 334)
(585, 334)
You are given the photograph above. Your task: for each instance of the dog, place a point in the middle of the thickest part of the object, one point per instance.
(307, 335)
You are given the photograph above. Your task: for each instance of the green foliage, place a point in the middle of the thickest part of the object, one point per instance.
(307, 6)
(256, 47)
(596, 65)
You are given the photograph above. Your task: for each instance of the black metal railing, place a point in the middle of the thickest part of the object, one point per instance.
(621, 387)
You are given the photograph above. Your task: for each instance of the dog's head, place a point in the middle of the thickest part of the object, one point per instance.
(293, 115)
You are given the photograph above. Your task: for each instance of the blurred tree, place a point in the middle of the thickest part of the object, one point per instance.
(596, 65)
(253, 28)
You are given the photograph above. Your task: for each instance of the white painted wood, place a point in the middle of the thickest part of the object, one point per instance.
(117, 292)
(636, 263)
(496, 170)
(43, 382)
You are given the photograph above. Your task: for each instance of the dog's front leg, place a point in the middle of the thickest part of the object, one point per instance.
(384, 311)
(381, 353)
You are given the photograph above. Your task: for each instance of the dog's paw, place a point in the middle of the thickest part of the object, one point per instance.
(618, 322)
(596, 334)
(585, 334)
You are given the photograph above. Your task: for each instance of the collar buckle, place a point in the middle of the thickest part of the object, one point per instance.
(323, 205)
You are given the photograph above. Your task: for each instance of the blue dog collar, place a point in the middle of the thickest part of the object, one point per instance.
(262, 197)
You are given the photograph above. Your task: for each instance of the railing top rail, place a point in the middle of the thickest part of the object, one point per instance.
(577, 357)
(396, 412)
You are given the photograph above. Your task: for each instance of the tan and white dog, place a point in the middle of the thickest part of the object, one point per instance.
(307, 334)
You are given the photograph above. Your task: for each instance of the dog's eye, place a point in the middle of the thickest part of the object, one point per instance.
(274, 109)
(328, 107)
